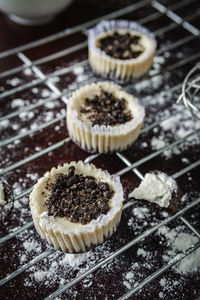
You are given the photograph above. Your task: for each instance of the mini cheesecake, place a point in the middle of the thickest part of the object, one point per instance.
(120, 49)
(102, 117)
(76, 206)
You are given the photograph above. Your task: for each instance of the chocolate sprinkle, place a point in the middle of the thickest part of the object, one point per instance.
(79, 198)
(105, 109)
(121, 46)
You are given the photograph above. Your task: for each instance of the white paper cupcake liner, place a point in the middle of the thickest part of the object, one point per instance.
(122, 70)
(101, 138)
(75, 237)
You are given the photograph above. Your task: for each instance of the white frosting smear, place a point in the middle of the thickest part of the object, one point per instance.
(156, 188)
(2, 196)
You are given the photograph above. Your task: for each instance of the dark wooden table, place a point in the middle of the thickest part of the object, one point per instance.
(34, 139)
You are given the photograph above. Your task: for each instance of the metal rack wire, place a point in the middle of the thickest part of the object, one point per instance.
(176, 21)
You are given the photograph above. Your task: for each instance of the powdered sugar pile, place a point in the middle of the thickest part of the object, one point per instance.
(75, 260)
(140, 212)
(14, 81)
(191, 263)
(180, 242)
(32, 245)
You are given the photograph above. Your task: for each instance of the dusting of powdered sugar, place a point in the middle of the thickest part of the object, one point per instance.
(14, 81)
(56, 269)
(17, 103)
(4, 124)
(140, 212)
(28, 72)
(155, 82)
(191, 263)
(173, 241)
(174, 128)
(32, 245)
(74, 260)
(129, 278)
(51, 109)
(58, 266)
(160, 102)
(141, 217)
(179, 242)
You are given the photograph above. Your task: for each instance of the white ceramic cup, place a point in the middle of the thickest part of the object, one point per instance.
(33, 12)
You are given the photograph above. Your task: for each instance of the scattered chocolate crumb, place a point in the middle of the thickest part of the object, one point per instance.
(6, 208)
(121, 46)
(105, 109)
(79, 198)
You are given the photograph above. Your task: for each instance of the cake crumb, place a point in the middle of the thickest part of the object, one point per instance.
(156, 187)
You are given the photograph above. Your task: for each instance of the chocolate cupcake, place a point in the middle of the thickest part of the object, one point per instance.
(120, 49)
(102, 117)
(76, 206)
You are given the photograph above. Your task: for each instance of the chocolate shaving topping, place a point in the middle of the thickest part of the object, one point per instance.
(79, 198)
(105, 109)
(121, 46)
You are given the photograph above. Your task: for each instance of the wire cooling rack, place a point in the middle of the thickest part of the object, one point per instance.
(152, 11)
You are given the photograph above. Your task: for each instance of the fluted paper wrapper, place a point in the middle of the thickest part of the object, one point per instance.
(101, 138)
(75, 237)
(122, 70)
